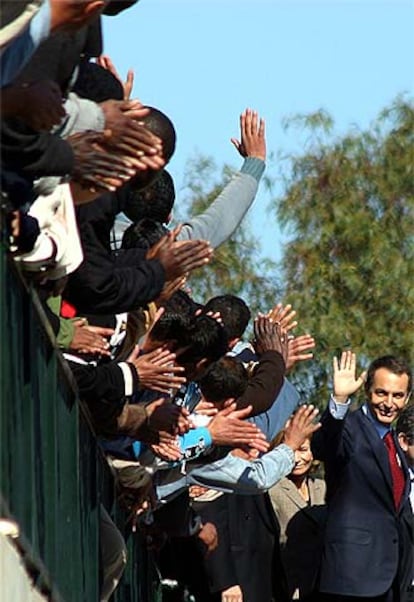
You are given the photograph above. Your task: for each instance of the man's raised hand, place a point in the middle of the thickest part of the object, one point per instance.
(345, 381)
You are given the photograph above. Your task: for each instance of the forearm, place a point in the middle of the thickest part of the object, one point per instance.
(112, 381)
(114, 290)
(233, 474)
(265, 385)
(220, 220)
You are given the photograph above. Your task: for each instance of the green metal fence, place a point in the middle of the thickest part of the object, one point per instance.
(51, 473)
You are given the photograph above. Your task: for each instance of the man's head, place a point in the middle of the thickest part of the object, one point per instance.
(405, 433)
(143, 234)
(234, 314)
(224, 379)
(387, 387)
(197, 340)
(155, 201)
(160, 125)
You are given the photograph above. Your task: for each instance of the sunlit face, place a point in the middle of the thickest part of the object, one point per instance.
(303, 459)
(388, 395)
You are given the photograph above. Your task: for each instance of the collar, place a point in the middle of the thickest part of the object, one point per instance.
(381, 429)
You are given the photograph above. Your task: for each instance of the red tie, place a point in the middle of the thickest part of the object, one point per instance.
(397, 473)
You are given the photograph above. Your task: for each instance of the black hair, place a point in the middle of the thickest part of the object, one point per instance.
(205, 338)
(223, 379)
(154, 201)
(201, 337)
(181, 302)
(160, 125)
(144, 234)
(97, 83)
(393, 364)
(405, 423)
(233, 311)
(171, 326)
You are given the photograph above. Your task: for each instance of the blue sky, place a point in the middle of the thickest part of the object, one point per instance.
(203, 62)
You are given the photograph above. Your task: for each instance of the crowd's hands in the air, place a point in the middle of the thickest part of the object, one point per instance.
(299, 347)
(179, 257)
(301, 426)
(269, 335)
(90, 339)
(157, 369)
(345, 379)
(228, 427)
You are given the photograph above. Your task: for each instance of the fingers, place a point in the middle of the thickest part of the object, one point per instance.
(230, 406)
(305, 416)
(260, 445)
(134, 354)
(128, 84)
(244, 413)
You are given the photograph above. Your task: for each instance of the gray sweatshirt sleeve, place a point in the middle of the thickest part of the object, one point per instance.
(81, 115)
(220, 220)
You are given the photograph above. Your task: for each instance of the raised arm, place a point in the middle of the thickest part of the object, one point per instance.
(241, 476)
(220, 220)
(267, 381)
(327, 443)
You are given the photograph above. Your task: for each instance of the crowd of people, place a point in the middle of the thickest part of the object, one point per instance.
(245, 493)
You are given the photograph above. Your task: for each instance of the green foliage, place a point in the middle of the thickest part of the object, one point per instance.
(348, 270)
(237, 266)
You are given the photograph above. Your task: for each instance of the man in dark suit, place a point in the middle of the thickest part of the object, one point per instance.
(368, 543)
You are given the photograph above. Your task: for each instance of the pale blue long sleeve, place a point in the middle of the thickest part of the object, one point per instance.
(230, 474)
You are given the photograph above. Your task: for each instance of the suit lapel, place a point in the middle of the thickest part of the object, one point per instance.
(378, 448)
(293, 494)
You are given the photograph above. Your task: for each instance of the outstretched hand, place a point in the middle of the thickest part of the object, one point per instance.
(345, 380)
(270, 336)
(228, 427)
(299, 350)
(301, 426)
(157, 370)
(252, 134)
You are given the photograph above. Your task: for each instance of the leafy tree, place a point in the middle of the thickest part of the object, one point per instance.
(237, 266)
(348, 269)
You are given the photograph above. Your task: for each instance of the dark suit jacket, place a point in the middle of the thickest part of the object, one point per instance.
(368, 543)
(247, 552)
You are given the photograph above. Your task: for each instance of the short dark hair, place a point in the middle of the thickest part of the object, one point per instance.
(393, 364)
(205, 339)
(201, 336)
(405, 423)
(233, 311)
(171, 326)
(181, 302)
(97, 83)
(144, 234)
(154, 201)
(223, 379)
(160, 125)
